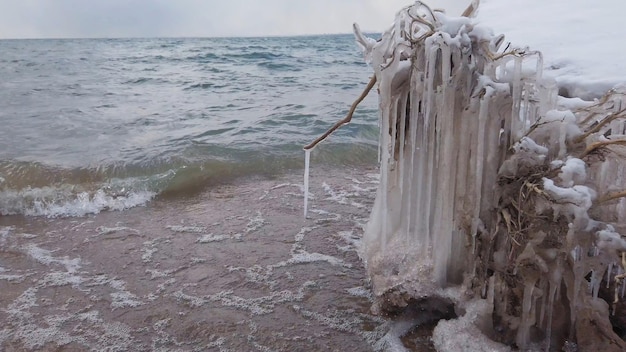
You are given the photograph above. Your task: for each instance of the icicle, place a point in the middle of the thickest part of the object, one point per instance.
(307, 157)
(544, 301)
(514, 126)
(594, 284)
(480, 157)
(527, 318)
(554, 284)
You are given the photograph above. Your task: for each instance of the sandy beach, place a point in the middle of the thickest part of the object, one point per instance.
(235, 268)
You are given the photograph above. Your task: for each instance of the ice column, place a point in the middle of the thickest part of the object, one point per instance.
(486, 175)
(448, 107)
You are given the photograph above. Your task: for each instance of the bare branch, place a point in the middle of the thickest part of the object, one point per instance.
(611, 196)
(596, 128)
(471, 9)
(593, 146)
(347, 118)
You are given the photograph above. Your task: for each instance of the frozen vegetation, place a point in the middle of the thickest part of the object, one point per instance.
(496, 193)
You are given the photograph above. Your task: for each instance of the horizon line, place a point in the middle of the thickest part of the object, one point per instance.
(192, 37)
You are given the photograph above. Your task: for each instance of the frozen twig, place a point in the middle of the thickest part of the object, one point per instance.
(471, 9)
(598, 127)
(421, 20)
(601, 144)
(598, 104)
(348, 117)
(611, 196)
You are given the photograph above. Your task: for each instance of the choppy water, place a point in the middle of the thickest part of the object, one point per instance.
(95, 124)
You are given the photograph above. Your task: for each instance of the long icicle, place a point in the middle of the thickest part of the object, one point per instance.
(307, 158)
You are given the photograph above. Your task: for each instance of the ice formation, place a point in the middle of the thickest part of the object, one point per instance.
(307, 159)
(492, 182)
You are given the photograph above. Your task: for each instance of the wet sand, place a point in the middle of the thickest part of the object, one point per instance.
(235, 268)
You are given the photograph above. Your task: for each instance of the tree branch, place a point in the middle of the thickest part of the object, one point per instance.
(593, 146)
(611, 196)
(348, 117)
(596, 128)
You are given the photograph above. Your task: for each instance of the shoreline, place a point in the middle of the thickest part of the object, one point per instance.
(235, 267)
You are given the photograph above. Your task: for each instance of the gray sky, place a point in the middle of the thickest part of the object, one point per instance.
(194, 18)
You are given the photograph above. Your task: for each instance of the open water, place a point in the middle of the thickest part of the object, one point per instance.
(95, 124)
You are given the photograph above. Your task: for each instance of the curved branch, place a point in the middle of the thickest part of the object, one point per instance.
(601, 124)
(347, 118)
(590, 148)
(611, 196)
(471, 9)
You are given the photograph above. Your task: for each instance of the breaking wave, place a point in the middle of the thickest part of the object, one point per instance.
(34, 189)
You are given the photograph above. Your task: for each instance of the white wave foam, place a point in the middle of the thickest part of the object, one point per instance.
(181, 228)
(103, 230)
(63, 202)
(45, 257)
(148, 250)
(11, 278)
(361, 291)
(212, 238)
(124, 299)
(306, 257)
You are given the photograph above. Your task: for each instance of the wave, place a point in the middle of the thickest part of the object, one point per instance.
(51, 202)
(205, 85)
(203, 58)
(144, 80)
(33, 189)
(260, 55)
(278, 66)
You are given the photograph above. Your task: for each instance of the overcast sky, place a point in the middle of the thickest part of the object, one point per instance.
(194, 18)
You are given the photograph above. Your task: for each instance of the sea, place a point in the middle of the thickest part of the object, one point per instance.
(151, 197)
(109, 124)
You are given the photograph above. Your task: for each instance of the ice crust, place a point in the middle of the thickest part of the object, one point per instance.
(460, 118)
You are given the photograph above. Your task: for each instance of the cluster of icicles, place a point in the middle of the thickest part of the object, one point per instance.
(461, 120)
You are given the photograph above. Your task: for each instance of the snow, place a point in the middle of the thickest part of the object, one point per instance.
(573, 171)
(581, 40)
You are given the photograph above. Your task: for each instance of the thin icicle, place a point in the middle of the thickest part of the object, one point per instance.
(514, 125)
(593, 284)
(307, 158)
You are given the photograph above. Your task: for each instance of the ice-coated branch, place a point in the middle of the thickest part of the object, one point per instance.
(471, 9)
(601, 144)
(348, 117)
(611, 196)
(598, 127)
